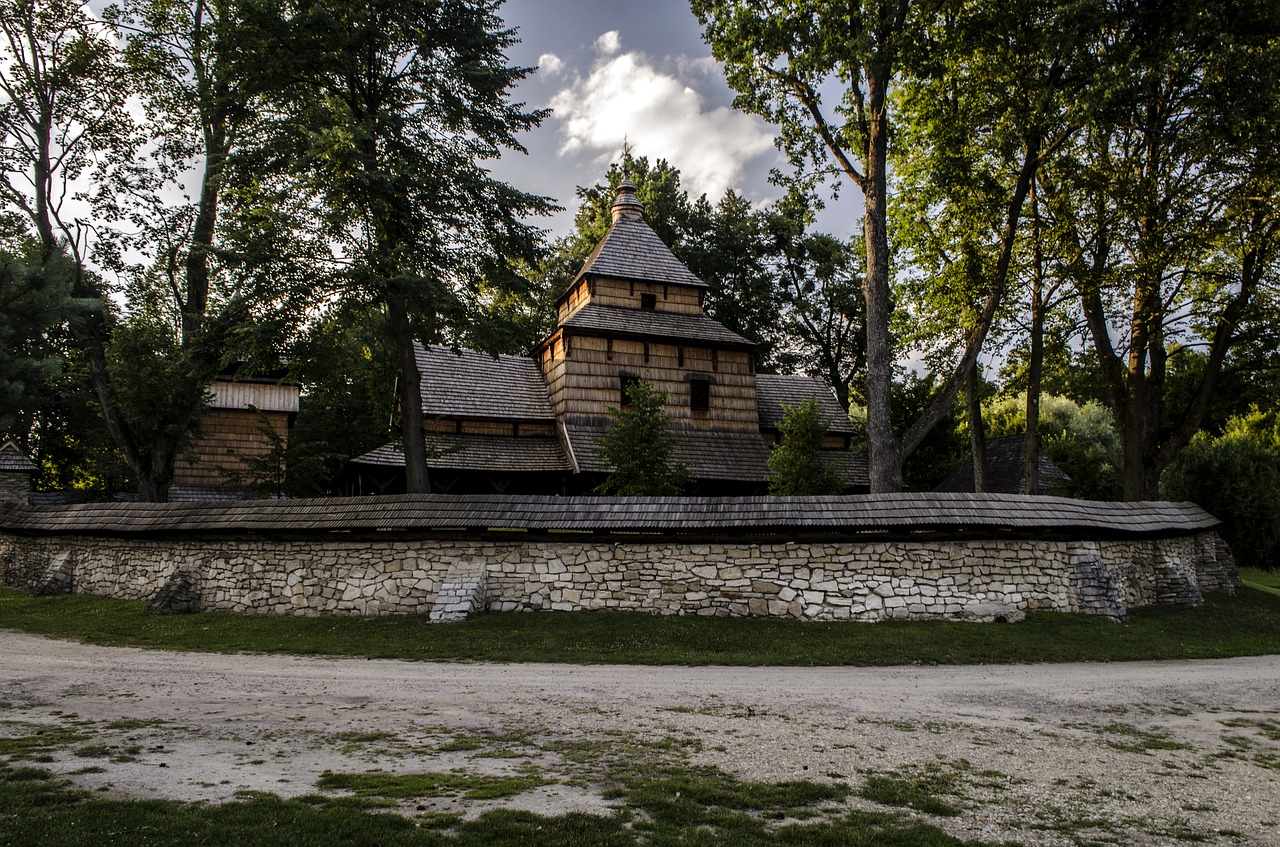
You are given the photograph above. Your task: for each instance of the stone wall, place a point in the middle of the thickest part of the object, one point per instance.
(811, 580)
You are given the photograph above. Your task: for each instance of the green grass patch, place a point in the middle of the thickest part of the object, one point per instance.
(1135, 740)
(1242, 625)
(425, 785)
(38, 742)
(920, 789)
(1261, 580)
(697, 808)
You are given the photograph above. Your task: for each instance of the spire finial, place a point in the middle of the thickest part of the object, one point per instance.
(625, 203)
(626, 157)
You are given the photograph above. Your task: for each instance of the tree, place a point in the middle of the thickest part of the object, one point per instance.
(1172, 195)
(35, 297)
(1079, 438)
(797, 466)
(99, 186)
(822, 310)
(640, 447)
(781, 57)
(1236, 477)
(390, 106)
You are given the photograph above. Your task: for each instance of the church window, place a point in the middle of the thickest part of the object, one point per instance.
(649, 301)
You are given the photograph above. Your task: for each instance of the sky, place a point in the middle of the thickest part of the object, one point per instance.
(639, 70)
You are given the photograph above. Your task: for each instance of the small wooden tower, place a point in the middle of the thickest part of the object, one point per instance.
(16, 471)
(633, 312)
(213, 466)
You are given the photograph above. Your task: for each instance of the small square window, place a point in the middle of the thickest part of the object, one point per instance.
(699, 395)
(649, 301)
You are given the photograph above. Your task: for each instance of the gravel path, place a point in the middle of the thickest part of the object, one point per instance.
(1136, 753)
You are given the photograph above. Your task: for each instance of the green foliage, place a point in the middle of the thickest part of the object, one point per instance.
(1236, 477)
(1081, 440)
(35, 298)
(640, 447)
(797, 466)
(346, 365)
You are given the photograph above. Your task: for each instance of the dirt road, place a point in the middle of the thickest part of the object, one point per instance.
(1143, 753)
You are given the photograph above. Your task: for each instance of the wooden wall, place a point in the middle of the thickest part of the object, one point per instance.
(607, 291)
(267, 396)
(229, 436)
(588, 380)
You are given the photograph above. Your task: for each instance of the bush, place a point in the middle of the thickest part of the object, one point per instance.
(640, 448)
(1080, 440)
(797, 466)
(1236, 478)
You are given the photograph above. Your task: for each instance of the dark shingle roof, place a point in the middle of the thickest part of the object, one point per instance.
(467, 384)
(721, 456)
(632, 250)
(13, 460)
(1006, 470)
(772, 391)
(645, 323)
(887, 514)
(498, 454)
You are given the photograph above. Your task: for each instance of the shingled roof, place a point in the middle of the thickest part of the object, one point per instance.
(894, 515)
(772, 391)
(13, 460)
(640, 323)
(467, 384)
(720, 456)
(496, 454)
(1006, 470)
(632, 250)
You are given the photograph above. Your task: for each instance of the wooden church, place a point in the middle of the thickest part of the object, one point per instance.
(531, 424)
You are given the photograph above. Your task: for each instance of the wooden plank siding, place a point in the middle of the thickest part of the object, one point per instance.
(588, 382)
(270, 397)
(229, 436)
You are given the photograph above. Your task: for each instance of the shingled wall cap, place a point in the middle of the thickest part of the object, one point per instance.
(627, 204)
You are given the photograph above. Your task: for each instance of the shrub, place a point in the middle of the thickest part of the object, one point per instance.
(797, 466)
(1235, 477)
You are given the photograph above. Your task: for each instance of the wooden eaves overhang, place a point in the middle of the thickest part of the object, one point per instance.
(911, 516)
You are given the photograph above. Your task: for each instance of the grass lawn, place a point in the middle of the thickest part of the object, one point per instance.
(1242, 625)
(1260, 579)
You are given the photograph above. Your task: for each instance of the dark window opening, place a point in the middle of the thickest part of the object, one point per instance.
(633, 289)
(646, 353)
(649, 301)
(715, 360)
(680, 356)
(699, 395)
(664, 291)
(608, 349)
(626, 381)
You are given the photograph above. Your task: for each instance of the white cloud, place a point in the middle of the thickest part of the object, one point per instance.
(550, 64)
(608, 43)
(663, 116)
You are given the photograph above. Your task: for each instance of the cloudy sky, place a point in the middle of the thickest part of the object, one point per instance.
(637, 69)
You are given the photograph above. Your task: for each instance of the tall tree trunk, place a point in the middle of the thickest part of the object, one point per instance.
(884, 459)
(417, 480)
(977, 432)
(1031, 466)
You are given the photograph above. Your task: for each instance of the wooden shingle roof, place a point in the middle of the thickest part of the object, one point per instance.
(632, 250)
(649, 324)
(721, 456)
(13, 460)
(496, 454)
(467, 384)
(893, 514)
(772, 391)
(1006, 470)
